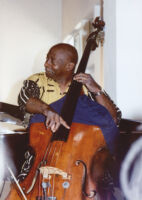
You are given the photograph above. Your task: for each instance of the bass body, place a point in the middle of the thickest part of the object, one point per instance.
(63, 169)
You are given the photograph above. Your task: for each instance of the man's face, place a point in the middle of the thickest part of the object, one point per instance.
(55, 63)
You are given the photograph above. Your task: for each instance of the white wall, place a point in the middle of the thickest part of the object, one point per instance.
(78, 13)
(123, 57)
(74, 11)
(27, 30)
(129, 57)
(110, 48)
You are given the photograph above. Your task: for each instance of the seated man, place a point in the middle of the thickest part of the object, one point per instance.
(44, 88)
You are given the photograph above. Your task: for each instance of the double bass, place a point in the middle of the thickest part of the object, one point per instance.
(62, 165)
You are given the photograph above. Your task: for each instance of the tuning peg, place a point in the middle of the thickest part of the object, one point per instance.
(98, 23)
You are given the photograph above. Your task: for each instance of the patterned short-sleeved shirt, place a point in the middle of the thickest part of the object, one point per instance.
(47, 90)
(42, 87)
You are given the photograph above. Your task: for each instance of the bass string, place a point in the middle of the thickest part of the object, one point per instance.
(57, 158)
(47, 155)
(56, 153)
(49, 150)
(68, 170)
(55, 149)
(49, 190)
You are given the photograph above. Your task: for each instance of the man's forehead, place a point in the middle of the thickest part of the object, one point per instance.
(57, 50)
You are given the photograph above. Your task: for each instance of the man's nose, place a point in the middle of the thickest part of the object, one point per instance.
(47, 63)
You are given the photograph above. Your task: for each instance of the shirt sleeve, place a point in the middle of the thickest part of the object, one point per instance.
(118, 111)
(29, 89)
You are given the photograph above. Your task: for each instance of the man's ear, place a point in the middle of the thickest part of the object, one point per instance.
(70, 66)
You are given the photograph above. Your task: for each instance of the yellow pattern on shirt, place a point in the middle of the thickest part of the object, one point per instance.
(49, 89)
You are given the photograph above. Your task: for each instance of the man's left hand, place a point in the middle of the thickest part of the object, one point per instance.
(88, 81)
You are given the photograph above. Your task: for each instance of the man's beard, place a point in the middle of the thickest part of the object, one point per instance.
(51, 74)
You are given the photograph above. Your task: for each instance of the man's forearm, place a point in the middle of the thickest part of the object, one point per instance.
(53, 119)
(105, 101)
(96, 93)
(35, 105)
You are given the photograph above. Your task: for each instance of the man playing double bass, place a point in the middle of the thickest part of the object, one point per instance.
(42, 89)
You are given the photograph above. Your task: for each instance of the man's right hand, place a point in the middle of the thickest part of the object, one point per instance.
(54, 120)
